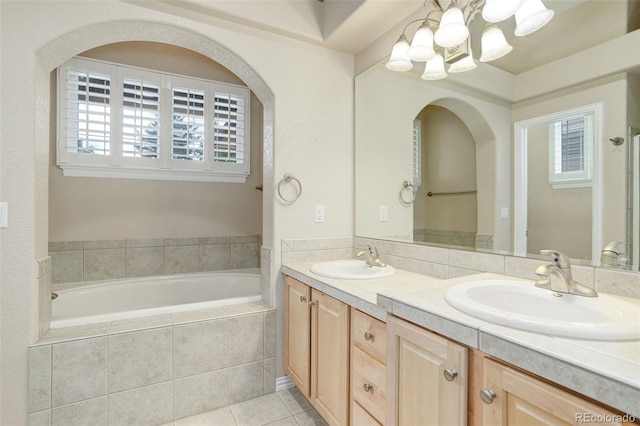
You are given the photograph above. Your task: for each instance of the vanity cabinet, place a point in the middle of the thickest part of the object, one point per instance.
(511, 397)
(368, 369)
(317, 349)
(426, 375)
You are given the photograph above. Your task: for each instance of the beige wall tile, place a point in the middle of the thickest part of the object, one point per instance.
(270, 334)
(67, 266)
(180, 242)
(146, 242)
(104, 244)
(200, 393)
(41, 418)
(79, 370)
(246, 382)
(210, 241)
(200, 347)
(104, 264)
(146, 406)
(90, 412)
(39, 378)
(65, 245)
(246, 338)
(140, 262)
(244, 255)
(214, 257)
(269, 375)
(140, 358)
(180, 259)
(477, 261)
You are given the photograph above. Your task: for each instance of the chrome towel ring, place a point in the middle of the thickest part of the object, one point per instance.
(406, 185)
(288, 178)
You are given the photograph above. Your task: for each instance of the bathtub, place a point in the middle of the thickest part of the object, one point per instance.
(87, 303)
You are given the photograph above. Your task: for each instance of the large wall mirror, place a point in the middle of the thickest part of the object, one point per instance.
(454, 148)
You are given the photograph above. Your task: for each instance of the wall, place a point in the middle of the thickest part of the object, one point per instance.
(307, 92)
(99, 208)
(559, 222)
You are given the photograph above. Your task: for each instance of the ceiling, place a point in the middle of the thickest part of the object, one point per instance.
(351, 25)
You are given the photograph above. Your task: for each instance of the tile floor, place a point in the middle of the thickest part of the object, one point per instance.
(284, 408)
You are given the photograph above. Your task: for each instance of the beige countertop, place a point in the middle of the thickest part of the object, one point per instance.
(608, 372)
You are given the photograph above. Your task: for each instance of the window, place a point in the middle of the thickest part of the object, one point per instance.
(417, 153)
(570, 146)
(119, 121)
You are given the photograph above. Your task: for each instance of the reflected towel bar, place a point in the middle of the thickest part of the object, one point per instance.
(430, 194)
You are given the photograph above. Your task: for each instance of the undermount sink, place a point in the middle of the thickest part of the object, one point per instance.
(519, 305)
(351, 270)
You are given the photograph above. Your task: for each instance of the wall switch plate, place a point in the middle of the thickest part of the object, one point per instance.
(4, 215)
(319, 214)
(504, 213)
(382, 214)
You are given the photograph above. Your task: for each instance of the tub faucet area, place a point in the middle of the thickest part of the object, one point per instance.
(371, 257)
(557, 276)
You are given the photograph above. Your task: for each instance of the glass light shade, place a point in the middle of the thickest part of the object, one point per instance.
(399, 60)
(421, 49)
(452, 30)
(494, 45)
(500, 10)
(434, 69)
(463, 65)
(531, 16)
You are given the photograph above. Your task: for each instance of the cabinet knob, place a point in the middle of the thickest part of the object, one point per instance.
(368, 387)
(303, 299)
(450, 374)
(368, 335)
(312, 303)
(487, 395)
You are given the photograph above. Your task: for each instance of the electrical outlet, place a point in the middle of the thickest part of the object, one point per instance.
(504, 213)
(382, 214)
(319, 214)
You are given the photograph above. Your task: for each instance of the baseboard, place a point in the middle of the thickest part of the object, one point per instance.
(283, 383)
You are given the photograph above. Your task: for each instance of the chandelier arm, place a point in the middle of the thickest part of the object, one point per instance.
(412, 22)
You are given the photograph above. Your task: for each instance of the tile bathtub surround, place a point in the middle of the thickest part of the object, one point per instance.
(75, 261)
(198, 362)
(44, 294)
(301, 250)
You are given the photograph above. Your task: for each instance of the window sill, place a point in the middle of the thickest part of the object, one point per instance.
(135, 173)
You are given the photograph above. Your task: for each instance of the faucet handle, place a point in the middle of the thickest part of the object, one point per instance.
(559, 258)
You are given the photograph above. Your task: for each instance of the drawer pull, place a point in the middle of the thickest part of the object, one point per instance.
(368, 335)
(312, 303)
(368, 387)
(450, 374)
(303, 299)
(487, 395)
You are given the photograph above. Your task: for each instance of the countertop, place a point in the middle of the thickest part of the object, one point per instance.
(608, 372)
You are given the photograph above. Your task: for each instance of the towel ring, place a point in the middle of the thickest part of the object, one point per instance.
(287, 178)
(405, 186)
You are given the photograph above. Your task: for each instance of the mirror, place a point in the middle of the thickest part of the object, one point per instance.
(558, 183)
(386, 105)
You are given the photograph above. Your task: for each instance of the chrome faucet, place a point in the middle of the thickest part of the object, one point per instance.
(556, 276)
(613, 257)
(371, 257)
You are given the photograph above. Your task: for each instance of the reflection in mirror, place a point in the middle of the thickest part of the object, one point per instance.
(633, 219)
(445, 210)
(557, 185)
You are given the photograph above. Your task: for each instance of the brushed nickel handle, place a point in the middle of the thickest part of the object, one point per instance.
(303, 299)
(368, 335)
(450, 374)
(312, 303)
(487, 395)
(368, 387)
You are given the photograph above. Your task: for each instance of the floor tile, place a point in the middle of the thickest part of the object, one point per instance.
(289, 421)
(310, 418)
(220, 417)
(294, 400)
(260, 411)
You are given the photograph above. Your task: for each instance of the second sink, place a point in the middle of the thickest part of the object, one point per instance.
(351, 269)
(518, 305)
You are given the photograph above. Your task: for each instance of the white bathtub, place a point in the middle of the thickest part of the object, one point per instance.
(136, 297)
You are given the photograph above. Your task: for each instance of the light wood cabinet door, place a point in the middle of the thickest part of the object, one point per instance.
(297, 335)
(418, 393)
(330, 358)
(519, 399)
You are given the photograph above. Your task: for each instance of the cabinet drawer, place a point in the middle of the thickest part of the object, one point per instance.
(370, 334)
(370, 373)
(359, 416)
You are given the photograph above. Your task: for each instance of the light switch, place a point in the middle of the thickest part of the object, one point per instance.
(4, 214)
(319, 214)
(382, 214)
(504, 213)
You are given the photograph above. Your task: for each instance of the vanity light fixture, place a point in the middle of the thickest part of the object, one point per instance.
(453, 37)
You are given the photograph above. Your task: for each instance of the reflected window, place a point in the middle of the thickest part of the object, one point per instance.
(570, 145)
